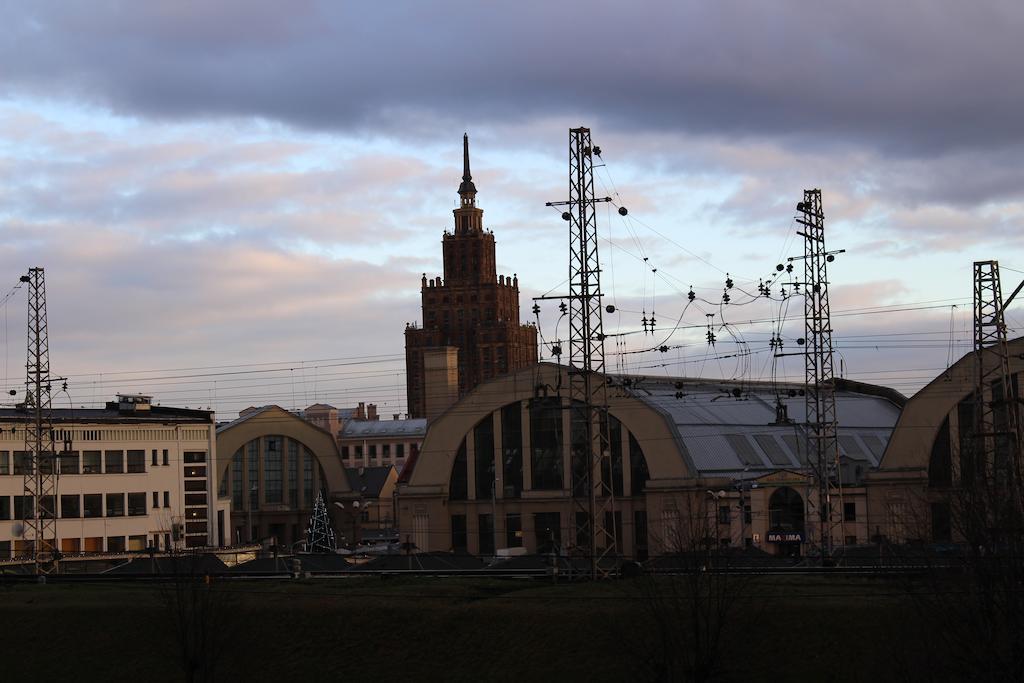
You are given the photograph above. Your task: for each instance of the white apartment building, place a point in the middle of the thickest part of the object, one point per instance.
(132, 476)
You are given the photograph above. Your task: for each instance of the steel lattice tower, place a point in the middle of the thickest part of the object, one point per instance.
(41, 469)
(593, 500)
(823, 444)
(997, 420)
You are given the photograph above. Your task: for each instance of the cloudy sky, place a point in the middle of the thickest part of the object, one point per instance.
(234, 201)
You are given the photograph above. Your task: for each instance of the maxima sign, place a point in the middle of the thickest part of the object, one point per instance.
(785, 537)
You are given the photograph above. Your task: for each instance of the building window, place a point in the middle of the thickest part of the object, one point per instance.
(195, 457)
(115, 544)
(156, 499)
(611, 467)
(167, 458)
(639, 474)
(69, 462)
(373, 452)
(640, 534)
(548, 531)
(137, 504)
(154, 461)
(5, 462)
(850, 511)
(22, 463)
(167, 499)
(237, 487)
(513, 531)
(724, 514)
(114, 462)
(23, 507)
(483, 443)
(70, 506)
(91, 462)
(272, 470)
(459, 533)
(115, 505)
(546, 443)
(512, 447)
(253, 479)
(136, 462)
(92, 505)
(400, 450)
(344, 452)
(458, 484)
(485, 527)
(386, 451)
(293, 474)
(940, 463)
(307, 477)
(942, 523)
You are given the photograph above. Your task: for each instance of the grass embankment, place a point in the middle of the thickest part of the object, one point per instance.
(801, 629)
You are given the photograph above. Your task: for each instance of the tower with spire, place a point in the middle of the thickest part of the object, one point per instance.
(472, 313)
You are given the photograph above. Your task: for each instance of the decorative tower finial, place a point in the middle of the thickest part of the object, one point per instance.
(467, 190)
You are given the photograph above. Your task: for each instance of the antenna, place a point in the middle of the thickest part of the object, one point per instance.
(41, 469)
(592, 496)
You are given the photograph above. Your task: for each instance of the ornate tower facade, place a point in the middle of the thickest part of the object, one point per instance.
(472, 313)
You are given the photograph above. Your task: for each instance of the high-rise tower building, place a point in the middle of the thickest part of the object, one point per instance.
(471, 330)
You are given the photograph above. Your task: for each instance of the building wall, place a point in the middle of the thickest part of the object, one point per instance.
(178, 507)
(676, 507)
(261, 450)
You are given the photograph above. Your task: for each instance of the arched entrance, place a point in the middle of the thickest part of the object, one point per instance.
(786, 521)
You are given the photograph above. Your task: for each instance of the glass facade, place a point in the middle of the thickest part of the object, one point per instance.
(546, 443)
(483, 444)
(273, 470)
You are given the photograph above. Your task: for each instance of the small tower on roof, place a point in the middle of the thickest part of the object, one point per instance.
(468, 218)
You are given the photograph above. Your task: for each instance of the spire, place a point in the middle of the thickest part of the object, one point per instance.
(467, 190)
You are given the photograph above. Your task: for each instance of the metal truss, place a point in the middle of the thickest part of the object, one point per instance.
(40, 479)
(820, 397)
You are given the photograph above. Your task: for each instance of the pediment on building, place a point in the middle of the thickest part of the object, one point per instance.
(782, 477)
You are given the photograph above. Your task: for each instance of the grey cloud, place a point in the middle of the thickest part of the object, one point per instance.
(912, 79)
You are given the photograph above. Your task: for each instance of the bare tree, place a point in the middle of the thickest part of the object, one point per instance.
(202, 614)
(688, 598)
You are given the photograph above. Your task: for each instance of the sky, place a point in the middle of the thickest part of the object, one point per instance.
(234, 202)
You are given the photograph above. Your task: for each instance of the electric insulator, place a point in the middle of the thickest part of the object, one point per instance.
(556, 350)
(783, 292)
(789, 267)
(728, 281)
(609, 308)
(690, 295)
(600, 337)
(623, 211)
(711, 338)
(536, 309)
(801, 207)
(651, 321)
(725, 297)
(562, 307)
(830, 258)
(679, 394)
(663, 348)
(566, 215)
(597, 150)
(767, 290)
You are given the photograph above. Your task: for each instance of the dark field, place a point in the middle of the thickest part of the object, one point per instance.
(793, 628)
